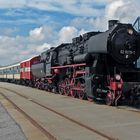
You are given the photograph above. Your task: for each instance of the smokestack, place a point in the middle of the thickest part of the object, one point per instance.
(111, 23)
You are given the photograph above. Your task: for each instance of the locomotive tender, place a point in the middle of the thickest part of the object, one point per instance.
(96, 66)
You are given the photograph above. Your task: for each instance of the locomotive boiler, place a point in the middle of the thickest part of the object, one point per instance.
(96, 65)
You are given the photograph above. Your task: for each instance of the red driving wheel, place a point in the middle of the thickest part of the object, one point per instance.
(73, 93)
(109, 98)
(67, 87)
(61, 87)
(81, 92)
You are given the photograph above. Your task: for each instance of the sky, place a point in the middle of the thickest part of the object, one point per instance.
(29, 27)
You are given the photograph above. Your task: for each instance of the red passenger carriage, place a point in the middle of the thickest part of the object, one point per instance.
(25, 69)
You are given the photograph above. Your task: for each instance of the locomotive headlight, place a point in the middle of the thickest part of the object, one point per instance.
(117, 77)
(130, 31)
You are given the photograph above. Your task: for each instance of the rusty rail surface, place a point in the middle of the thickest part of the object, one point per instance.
(94, 130)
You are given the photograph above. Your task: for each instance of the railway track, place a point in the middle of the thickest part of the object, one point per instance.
(46, 132)
(35, 123)
(127, 108)
(124, 107)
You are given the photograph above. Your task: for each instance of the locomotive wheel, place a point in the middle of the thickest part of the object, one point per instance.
(90, 99)
(61, 87)
(49, 90)
(67, 87)
(109, 99)
(74, 93)
(54, 89)
(81, 93)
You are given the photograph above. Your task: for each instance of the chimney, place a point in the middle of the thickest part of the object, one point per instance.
(111, 23)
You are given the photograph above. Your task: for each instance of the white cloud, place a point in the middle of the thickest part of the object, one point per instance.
(124, 10)
(12, 4)
(89, 8)
(8, 31)
(89, 24)
(43, 47)
(67, 33)
(76, 7)
(112, 8)
(37, 34)
(82, 31)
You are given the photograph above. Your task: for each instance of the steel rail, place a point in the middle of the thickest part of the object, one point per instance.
(34, 122)
(129, 109)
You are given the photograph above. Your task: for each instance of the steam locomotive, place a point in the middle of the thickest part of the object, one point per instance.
(95, 66)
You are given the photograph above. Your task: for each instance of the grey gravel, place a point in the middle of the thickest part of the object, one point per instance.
(9, 129)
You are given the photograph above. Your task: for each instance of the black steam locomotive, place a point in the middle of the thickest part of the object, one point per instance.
(96, 65)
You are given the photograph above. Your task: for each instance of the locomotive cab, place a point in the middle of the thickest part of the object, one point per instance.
(43, 67)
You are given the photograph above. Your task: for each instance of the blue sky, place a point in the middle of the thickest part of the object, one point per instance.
(28, 27)
(22, 20)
